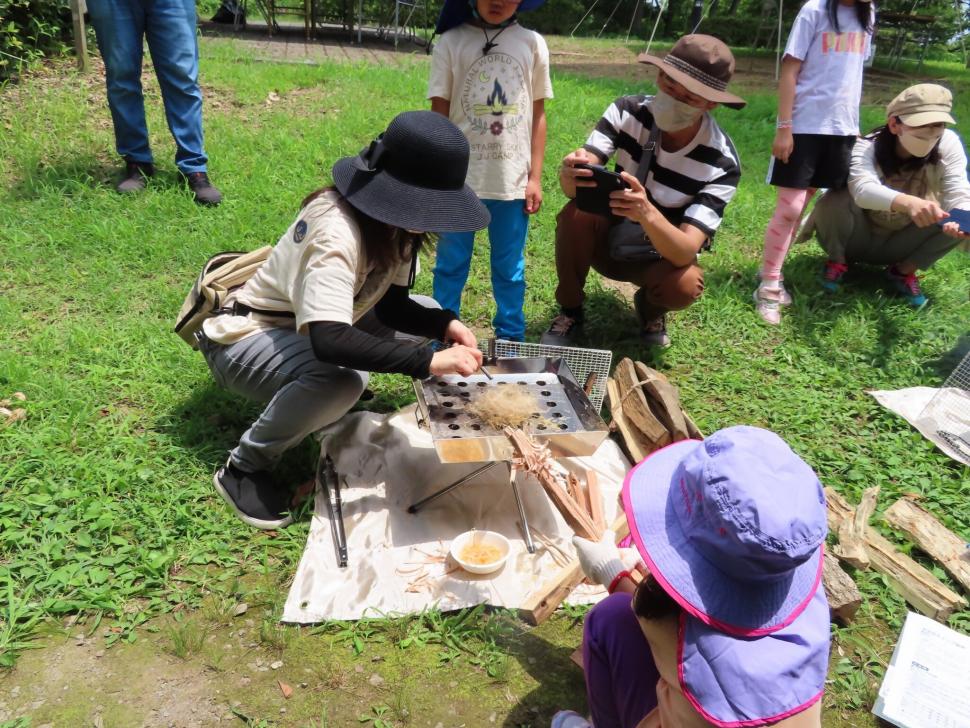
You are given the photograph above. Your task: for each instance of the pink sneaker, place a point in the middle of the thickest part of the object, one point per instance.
(768, 302)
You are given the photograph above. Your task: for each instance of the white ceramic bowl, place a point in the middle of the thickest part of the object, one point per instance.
(489, 538)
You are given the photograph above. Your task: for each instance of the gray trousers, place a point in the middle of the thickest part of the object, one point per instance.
(847, 235)
(303, 394)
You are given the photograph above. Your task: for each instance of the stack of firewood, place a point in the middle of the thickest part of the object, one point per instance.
(646, 410)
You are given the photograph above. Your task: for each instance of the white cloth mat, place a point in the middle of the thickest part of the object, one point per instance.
(952, 416)
(386, 462)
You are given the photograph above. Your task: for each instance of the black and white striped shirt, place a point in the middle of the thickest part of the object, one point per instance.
(692, 185)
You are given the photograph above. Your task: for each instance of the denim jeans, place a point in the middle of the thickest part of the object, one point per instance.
(506, 237)
(169, 26)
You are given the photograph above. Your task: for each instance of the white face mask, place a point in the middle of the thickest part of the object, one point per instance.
(671, 114)
(919, 142)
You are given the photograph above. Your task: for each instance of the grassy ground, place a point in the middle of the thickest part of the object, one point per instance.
(118, 561)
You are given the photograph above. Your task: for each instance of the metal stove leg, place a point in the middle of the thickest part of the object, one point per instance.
(415, 507)
(522, 518)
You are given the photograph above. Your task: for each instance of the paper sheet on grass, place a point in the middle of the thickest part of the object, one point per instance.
(911, 405)
(387, 462)
(927, 684)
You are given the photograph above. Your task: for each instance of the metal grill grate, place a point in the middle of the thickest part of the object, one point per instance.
(949, 410)
(581, 362)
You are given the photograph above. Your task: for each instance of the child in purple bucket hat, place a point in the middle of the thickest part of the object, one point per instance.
(731, 626)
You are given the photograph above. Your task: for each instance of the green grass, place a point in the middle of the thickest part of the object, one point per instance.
(107, 507)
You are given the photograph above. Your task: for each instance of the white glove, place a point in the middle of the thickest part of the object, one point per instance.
(600, 560)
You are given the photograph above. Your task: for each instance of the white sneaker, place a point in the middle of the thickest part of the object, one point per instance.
(767, 300)
(569, 719)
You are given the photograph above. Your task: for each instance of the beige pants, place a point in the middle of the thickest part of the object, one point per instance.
(847, 235)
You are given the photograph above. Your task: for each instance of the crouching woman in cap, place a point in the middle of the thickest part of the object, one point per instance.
(322, 310)
(904, 179)
(731, 626)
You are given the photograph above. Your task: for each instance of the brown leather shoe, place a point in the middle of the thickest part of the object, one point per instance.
(135, 176)
(205, 192)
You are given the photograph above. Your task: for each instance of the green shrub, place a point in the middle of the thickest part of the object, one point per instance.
(30, 30)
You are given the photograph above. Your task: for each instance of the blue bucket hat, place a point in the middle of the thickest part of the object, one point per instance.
(456, 12)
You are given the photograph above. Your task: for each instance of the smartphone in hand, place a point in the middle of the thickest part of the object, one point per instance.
(961, 218)
(597, 199)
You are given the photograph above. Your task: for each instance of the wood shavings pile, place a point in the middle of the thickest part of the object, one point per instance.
(506, 406)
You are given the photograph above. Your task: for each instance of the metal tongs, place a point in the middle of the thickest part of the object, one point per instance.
(329, 484)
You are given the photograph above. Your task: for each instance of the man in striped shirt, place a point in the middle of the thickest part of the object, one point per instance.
(692, 174)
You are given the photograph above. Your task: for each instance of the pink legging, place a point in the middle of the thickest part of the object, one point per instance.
(781, 229)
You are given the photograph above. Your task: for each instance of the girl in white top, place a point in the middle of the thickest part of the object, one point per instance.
(818, 121)
(322, 311)
(905, 180)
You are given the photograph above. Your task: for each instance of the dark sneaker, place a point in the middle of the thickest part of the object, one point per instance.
(653, 327)
(906, 285)
(832, 274)
(562, 331)
(135, 176)
(255, 497)
(205, 192)
(654, 333)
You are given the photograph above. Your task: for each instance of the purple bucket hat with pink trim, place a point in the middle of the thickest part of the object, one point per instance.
(732, 527)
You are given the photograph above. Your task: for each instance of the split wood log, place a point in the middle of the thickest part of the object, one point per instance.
(692, 429)
(542, 602)
(595, 496)
(911, 581)
(932, 537)
(666, 399)
(576, 491)
(843, 595)
(636, 446)
(635, 405)
(852, 532)
(538, 461)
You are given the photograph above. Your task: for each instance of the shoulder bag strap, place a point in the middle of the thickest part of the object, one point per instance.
(646, 159)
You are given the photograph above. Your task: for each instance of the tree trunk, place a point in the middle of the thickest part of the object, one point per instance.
(696, 13)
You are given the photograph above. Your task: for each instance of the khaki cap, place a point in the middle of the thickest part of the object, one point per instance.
(924, 103)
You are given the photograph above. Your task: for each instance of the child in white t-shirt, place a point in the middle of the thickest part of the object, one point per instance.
(818, 122)
(490, 76)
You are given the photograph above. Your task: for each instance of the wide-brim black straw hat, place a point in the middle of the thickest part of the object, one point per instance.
(413, 177)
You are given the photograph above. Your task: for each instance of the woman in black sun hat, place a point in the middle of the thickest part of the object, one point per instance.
(324, 308)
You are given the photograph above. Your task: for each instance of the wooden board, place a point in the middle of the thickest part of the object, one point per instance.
(666, 399)
(843, 595)
(636, 446)
(635, 405)
(927, 594)
(546, 599)
(595, 496)
(932, 537)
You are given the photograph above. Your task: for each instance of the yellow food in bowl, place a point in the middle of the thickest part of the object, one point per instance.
(480, 554)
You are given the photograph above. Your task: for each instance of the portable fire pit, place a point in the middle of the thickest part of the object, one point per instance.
(565, 420)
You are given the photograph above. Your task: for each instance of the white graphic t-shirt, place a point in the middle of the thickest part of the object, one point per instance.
(829, 85)
(491, 99)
